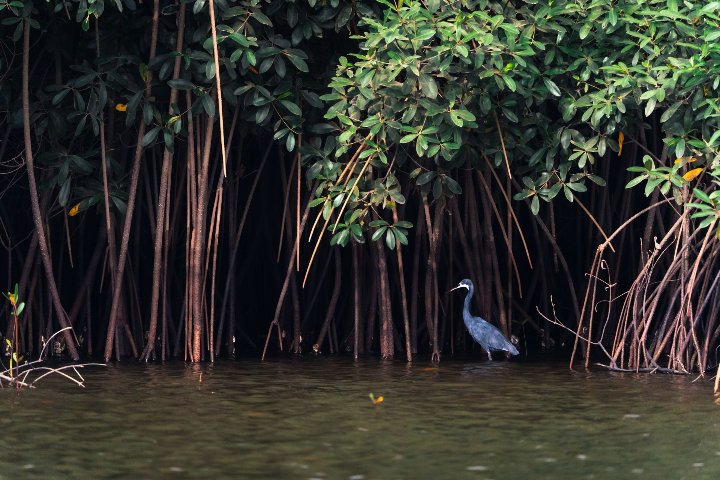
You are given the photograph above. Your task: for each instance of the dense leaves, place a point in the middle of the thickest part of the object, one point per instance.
(264, 58)
(544, 89)
(541, 89)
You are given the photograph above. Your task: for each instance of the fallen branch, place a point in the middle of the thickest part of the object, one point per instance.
(26, 369)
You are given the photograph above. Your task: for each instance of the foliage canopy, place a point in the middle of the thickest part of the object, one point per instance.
(542, 89)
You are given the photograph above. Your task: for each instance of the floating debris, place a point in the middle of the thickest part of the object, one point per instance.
(376, 400)
(477, 468)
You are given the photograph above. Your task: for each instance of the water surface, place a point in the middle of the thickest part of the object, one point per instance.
(312, 418)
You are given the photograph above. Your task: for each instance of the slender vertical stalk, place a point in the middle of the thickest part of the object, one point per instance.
(286, 283)
(162, 202)
(414, 284)
(34, 199)
(211, 333)
(198, 242)
(356, 301)
(403, 293)
(134, 176)
(216, 59)
(109, 235)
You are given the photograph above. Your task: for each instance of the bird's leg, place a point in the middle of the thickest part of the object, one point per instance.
(489, 355)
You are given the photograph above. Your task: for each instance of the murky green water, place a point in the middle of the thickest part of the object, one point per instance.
(312, 418)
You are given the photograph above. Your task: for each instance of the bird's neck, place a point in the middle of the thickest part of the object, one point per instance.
(468, 298)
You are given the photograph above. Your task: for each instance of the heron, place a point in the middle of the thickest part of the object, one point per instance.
(485, 333)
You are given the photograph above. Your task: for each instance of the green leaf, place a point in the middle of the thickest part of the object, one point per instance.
(680, 148)
(552, 87)
(169, 140)
(650, 106)
(180, 84)
(712, 36)
(378, 233)
(667, 114)
(424, 178)
(150, 137)
(585, 30)
(60, 96)
(635, 181)
(456, 118)
(452, 185)
(290, 143)
(707, 222)
(299, 63)
(597, 180)
(292, 108)
(208, 105)
(510, 82)
(510, 115)
(262, 18)
(535, 205)
(437, 188)
(400, 235)
(239, 39)
(702, 195)
(390, 239)
(428, 86)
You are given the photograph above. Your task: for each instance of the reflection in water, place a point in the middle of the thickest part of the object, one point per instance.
(311, 418)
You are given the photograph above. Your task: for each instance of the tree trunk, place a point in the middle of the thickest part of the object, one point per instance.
(387, 349)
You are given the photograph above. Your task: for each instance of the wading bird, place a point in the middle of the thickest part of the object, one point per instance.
(485, 333)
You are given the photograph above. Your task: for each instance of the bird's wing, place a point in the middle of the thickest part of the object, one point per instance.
(488, 335)
(499, 342)
(480, 330)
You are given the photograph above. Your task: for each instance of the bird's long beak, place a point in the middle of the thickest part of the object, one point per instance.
(459, 286)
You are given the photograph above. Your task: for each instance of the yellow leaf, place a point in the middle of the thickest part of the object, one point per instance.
(121, 107)
(692, 174)
(74, 210)
(11, 297)
(621, 139)
(376, 400)
(688, 159)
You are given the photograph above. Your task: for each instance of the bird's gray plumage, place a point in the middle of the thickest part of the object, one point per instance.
(485, 333)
